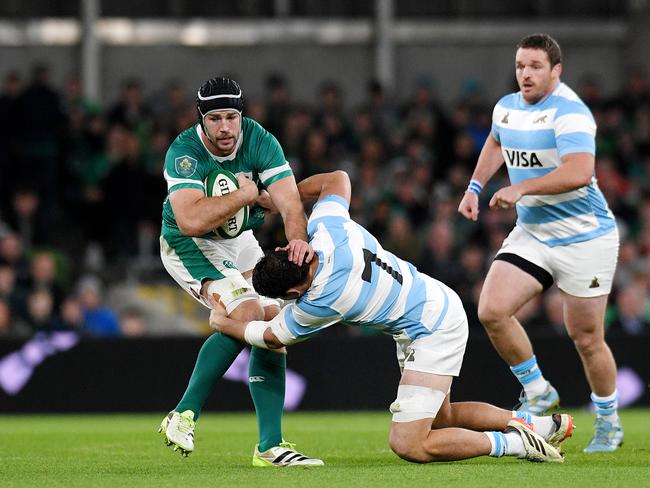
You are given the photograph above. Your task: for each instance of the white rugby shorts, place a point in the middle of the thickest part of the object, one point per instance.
(584, 269)
(442, 351)
(193, 260)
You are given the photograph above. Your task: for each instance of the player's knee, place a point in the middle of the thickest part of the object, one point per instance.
(586, 341)
(408, 447)
(490, 313)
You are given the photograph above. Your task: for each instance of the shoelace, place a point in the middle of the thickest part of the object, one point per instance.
(288, 445)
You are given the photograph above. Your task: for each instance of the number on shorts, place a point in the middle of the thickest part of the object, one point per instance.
(370, 257)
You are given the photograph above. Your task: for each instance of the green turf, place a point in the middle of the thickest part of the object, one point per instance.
(124, 451)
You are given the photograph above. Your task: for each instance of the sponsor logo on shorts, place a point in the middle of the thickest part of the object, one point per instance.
(410, 356)
(594, 283)
(256, 379)
(229, 264)
(185, 166)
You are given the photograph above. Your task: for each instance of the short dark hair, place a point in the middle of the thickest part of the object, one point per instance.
(274, 274)
(544, 42)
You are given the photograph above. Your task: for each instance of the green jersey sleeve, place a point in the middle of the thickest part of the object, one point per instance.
(182, 168)
(268, 155)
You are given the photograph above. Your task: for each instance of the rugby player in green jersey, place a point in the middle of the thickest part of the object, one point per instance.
(217, 271)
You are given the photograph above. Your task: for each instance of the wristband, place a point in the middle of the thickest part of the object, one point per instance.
(254, 333)
(474, 186)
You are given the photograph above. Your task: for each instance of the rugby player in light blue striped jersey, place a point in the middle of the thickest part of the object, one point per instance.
(356, 282)
(565, 231)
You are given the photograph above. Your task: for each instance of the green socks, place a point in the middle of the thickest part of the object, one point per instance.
(266, 383)
(215, 357)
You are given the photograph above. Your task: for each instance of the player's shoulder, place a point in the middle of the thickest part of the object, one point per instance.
(257, 138)
(509, 101)
(187, 157)
(187, 142)
(253, 129)
(566, 101)
(330, 209)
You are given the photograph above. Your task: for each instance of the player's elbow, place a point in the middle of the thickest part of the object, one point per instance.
(579, 180)
(190, 229)
(585, 179)
(341, 177)
(338, 182)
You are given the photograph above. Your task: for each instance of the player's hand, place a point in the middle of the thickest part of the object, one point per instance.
(216, 319)
(468, 207)
(299, 251)
(248, 187)
(506, 197)
(264, 200)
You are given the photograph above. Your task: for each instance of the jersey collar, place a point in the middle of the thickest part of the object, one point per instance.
(540, 102)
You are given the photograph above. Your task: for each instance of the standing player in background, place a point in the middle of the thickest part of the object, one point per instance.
(564, 232)
(355, 281)
(215, 270)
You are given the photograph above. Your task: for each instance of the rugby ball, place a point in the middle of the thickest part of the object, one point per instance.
(219, 183)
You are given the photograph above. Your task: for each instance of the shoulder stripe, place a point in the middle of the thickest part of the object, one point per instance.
(314, 313)
(576, 142)
(565, 107)
(278, 177)
(569, 123)
(332, 198)
(171, 181)
(296, 329)
(329, 223)
(264, 175)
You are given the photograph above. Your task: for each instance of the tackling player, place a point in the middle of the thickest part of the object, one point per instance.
(215, 270)
(565, 231)
(355, 281)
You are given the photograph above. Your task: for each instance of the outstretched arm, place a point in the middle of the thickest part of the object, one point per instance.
(237, 329)
(286, 199)
(320, 185)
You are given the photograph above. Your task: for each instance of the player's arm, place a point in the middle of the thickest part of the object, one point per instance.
(489, 161)
(256, 333)
(321, 185)
(576, 171)
(197, 214)
(286, 199)
(290, 326)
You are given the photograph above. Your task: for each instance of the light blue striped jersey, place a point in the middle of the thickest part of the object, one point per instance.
(359, 283)
(533, 140)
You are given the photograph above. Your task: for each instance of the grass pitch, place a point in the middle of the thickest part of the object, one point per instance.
(125, 451)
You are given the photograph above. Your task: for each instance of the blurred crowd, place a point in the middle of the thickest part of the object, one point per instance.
(81, 189)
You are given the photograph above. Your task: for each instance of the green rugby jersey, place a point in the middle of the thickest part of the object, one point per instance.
(188, 163)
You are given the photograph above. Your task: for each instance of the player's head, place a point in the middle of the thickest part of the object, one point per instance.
(538, 66)
(219, 103)
(274, 276)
